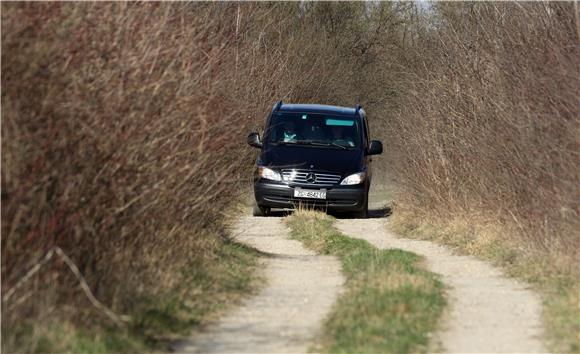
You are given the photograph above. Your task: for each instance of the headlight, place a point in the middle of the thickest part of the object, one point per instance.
(356, 178)
(267, 173)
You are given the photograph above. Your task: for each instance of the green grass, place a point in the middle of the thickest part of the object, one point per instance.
(209, 289)
(63, 337)
(553, 276)
(391, 303)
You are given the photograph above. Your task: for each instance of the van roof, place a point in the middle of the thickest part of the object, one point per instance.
(316, 108)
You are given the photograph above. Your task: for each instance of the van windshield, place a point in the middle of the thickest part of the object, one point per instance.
(314, 129)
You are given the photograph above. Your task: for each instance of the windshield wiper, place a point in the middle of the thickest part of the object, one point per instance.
(312, 142)
(340, 146)
(290, 142)
(294, 142)
(327, 143)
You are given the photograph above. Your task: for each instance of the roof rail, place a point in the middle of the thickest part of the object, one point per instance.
(277, 106)
(357, 108)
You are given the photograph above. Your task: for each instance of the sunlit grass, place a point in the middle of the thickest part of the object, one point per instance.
(553, 275)
(391, 303)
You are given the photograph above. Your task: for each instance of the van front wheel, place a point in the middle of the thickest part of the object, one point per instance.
(260, 211)
(362, 214)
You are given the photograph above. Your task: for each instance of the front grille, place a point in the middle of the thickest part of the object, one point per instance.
(309, 177)
(315, 202)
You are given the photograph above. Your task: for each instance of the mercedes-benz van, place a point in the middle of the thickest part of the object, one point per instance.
(317, 155)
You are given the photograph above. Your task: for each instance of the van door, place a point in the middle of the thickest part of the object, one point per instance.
(366, 139)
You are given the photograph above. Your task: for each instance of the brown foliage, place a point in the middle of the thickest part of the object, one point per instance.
(123, 125)
(123, 137)
(488, 123)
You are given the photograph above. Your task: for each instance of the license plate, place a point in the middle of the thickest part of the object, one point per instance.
(309, 193)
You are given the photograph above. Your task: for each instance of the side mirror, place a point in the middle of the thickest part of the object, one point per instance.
(254, 140)
(375, 148)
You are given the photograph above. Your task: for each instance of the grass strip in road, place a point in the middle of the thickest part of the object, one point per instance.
(555, 277)
(391, 303)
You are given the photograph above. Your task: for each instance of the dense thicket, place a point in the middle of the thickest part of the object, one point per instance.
(123, 139)
(487, 122)
(123, 126)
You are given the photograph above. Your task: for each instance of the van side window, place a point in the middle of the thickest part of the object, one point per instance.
(366, 131)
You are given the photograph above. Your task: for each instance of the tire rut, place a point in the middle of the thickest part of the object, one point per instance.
(488, 312)
(287, 314)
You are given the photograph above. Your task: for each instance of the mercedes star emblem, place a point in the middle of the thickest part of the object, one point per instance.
(311, 178)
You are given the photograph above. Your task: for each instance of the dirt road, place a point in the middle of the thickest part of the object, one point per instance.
(288, 312)
(488, 313)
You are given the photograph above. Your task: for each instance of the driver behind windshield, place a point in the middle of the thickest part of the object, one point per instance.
(314, 130)
(289, 132)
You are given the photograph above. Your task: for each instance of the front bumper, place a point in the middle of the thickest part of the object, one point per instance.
(338, 198)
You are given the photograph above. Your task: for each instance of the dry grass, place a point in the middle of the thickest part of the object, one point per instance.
(553, 275)
(395, 278)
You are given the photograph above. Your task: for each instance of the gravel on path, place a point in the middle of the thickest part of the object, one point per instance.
(287, 314)
(487, 312)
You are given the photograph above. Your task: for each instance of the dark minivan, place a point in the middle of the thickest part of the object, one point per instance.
(316, 155)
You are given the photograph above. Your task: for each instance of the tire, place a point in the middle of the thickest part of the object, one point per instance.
(260, 211)
(362, 214)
